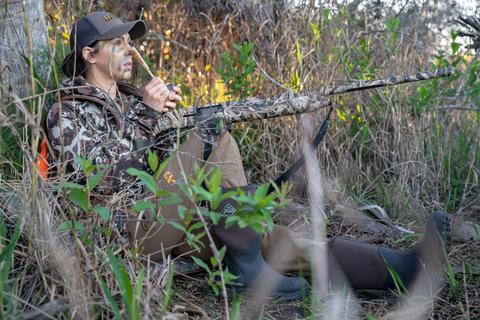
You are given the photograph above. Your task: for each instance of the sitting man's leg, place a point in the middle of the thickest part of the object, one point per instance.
(360, 264)
(244, 257)
(160, 239)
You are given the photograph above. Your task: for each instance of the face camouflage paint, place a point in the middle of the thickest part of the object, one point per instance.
(120, 61)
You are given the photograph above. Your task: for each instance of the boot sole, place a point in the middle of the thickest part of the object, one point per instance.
(442, 222)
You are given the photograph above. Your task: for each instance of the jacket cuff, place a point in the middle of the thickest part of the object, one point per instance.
(144, 109)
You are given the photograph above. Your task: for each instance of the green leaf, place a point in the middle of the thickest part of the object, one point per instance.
(202, 264)
(123, 280)
(215, 217)
(213, 182)
(168, 287)
(146, 179)
(231, 220)
(163, 192)
(182, 211)
(69, 225)
(299, 52)
(214, 261)
(195, 226)
(80, 198)
(103, 213)
(261, 192)
(392, 24)
(205, 195)
(111, 300)
(316, 30)
(177, 225)
(165, 162)
(455, 47)
(326, 14)
(222, 252)
(152, 160)
(86, 166)
(173, 199)
(6, 253)
(138, 294)
(94, 180)
(69, 185)
(143, 205)
(454, 34)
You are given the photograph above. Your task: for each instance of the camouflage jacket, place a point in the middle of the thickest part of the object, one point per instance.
(111, 134)
(105, 134)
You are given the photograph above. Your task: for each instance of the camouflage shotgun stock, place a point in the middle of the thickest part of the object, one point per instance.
(286, 104)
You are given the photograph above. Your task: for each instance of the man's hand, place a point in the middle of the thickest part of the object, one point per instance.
(157, 95)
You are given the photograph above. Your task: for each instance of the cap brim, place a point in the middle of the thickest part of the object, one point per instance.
(136, 29)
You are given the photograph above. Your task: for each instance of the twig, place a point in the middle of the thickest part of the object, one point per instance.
(162, 38)
(269, 77)
(193, 306)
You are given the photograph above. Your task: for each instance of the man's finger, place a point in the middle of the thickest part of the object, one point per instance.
(159, 89)
(174, 97)
(177, 90)
(170, 105)
(154, 82)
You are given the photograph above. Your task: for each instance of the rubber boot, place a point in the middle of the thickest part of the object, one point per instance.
(428, 255)
(244, 259)
(366, 266)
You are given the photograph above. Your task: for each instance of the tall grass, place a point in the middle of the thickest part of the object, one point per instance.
(409, 149)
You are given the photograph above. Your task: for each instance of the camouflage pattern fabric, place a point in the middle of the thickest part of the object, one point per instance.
(286, 104)
(105, 135)
(114, 136)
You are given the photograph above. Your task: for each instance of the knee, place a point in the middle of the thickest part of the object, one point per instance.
(226, 139)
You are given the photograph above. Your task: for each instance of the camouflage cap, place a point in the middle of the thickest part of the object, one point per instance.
(96, 26)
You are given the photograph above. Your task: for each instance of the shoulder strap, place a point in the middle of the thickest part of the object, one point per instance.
(101, 103)
(97, 101)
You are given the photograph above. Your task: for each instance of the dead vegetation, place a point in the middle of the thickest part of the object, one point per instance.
(409, 150)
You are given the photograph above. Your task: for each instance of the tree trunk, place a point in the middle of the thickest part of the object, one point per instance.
(22, 32)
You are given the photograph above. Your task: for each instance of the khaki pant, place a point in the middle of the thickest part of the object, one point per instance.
(280, 248)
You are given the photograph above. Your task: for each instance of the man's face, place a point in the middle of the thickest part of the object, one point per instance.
(114, 57)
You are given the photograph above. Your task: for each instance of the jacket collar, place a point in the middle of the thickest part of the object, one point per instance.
(79, 86)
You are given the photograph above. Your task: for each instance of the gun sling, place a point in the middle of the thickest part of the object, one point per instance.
(300, 162)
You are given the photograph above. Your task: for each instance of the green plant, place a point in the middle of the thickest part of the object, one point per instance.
(400, 287)
(238, 70)
(115, 309)
(454, 287)
(213, 274)
(7, 305)
(169, 288)
(204, 186)
(392, 25)
(131, 294)
(80, 196)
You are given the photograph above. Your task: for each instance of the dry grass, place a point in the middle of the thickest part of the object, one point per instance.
(378, 150)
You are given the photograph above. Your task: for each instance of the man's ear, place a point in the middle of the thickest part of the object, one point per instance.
(88, 55)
